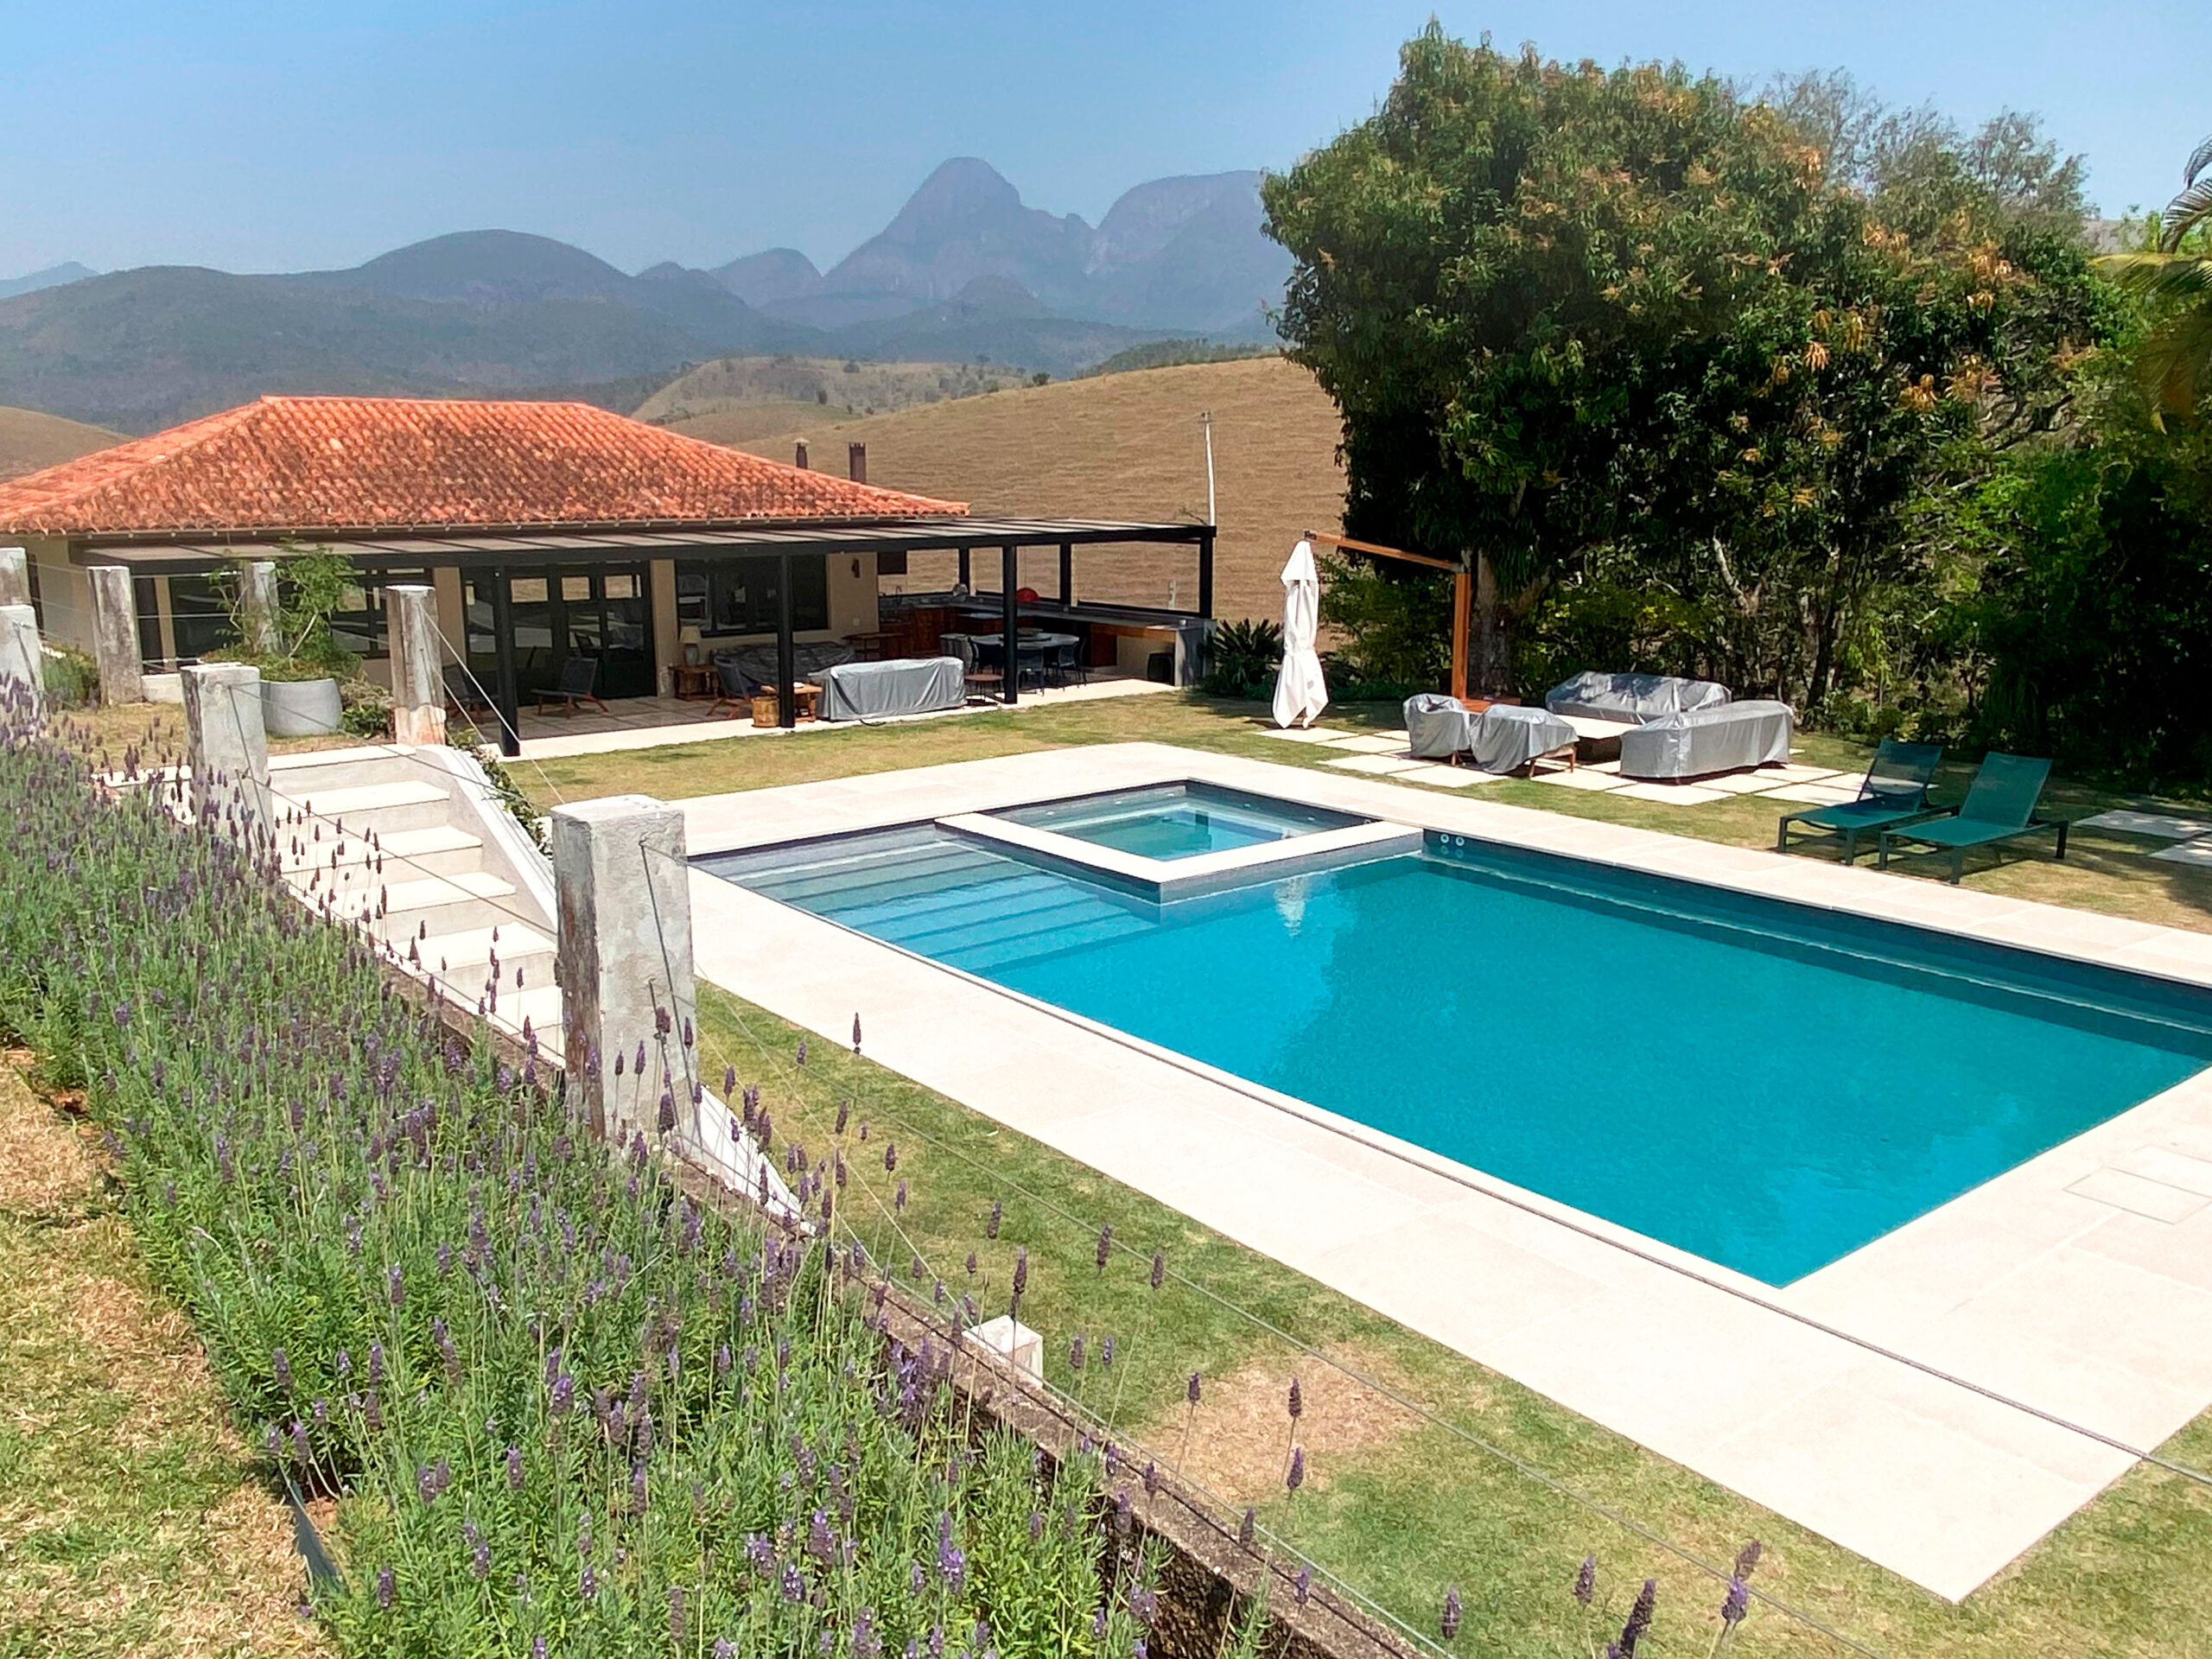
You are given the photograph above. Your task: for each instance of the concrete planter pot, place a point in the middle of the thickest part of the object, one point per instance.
(300, 708)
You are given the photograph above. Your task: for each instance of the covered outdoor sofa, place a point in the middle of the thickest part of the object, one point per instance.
(905, 685)
(1631, 699)
(1729, 737)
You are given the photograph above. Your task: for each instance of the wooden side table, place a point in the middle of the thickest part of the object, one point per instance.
(806, 695)
(696, 681)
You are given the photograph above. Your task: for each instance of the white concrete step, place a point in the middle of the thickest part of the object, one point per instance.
(441, 849)
(448, 903)
(515, 944)
(542, 1006)
(381, 807)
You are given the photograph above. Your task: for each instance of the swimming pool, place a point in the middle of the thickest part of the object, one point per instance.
(1764, 1084)
(1177, 820)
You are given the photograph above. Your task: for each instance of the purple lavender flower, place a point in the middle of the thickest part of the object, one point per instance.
(724, 1650)
(1075, 1353)
(1247, 1528)
(890, 1156)
(998, 1215)
(387, 1588)
(1585, 1580)
(587, 1583)
(856, 1033)
(802, 1051)
(301, 1447)
(1159, 1268)
(1036, 1525)
(793, 1586)
(1747, 1558)
(395, 1286)
(1302, 1585)
(1736, 1603)
(281, 1368)
(730, 1081)
(677, 1624)
(514, 1469)
(1191, 1389)
(971, 1264)
(1296, 1476)
(1449, 1623)
(1105, 1245)
(479, 1553)
(1020, 1271)
(1297, 1401)
(1151, 1479)
(1639, 1617)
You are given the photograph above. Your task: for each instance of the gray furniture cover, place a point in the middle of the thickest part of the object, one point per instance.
(1725, 739)
(1440, 727)
(905, 685)
(1502, 738)
(1507, 737)
(1632, 698)
(746, 670)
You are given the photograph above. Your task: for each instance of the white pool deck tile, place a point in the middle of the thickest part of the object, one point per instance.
(1377, 765)
(2064, 1283)
(2197, 852)
(1670, 794)
(1308, 733)
(1583, 778)
(2165, 825)
(1375, 743)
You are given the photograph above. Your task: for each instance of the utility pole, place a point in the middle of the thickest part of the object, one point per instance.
(1205, 420)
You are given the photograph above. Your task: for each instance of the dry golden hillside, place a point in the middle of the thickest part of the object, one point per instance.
(1119, 446)
(29, 441)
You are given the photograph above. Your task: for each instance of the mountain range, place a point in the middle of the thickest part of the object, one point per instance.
(964, 270)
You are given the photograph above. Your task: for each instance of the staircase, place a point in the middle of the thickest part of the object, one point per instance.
(413, 846)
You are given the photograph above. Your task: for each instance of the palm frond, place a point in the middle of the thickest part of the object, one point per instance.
(2176, 366)
(2180, 276)
(2187, 212)
(2198, 162)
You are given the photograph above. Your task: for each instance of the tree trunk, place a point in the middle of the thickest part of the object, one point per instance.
(1490, 646)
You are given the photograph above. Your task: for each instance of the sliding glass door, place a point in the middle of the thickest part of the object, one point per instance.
(605, 614)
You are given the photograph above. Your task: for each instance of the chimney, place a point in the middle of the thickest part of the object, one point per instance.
(798, 457)
(857, 462)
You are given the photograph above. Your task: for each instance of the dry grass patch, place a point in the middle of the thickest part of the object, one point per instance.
(132, 1521)
(1239, 1438)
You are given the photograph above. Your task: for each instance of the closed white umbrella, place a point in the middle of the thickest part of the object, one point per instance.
(1300, 692)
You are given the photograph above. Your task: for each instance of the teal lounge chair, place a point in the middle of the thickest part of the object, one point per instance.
(1895, 793)
(2000, 805)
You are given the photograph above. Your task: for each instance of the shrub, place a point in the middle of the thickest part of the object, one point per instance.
(72, 677)
(1243, 658)
(565, 1408)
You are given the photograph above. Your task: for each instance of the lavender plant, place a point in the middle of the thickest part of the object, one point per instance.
(565, 1409)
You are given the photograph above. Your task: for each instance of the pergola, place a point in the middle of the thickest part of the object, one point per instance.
(492, 555)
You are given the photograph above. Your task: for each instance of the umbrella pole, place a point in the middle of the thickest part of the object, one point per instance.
(1463, 594)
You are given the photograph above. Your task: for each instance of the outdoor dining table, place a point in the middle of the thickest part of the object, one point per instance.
(1036, 646)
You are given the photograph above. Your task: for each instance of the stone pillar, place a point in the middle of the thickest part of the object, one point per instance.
(14, 577)
(623, 961)
(22, 668)
(226, 743)
(418, 687)
(115, 634)
(258, 607)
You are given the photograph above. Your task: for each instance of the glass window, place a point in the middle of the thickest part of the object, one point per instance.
(197, 617)
(359, 623)
(739, 595)
(572, 588)
(529, 590)
(622, 586)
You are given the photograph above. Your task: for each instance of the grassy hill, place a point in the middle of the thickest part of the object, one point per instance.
(29, 441)
(734, 398)
(1121, 446)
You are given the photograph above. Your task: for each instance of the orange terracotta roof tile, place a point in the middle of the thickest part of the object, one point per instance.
(334, 464)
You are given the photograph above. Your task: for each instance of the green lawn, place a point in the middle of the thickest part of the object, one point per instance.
(1401, 1502)
(2102, 872)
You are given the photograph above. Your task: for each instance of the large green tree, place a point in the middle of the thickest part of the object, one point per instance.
(1574, 316)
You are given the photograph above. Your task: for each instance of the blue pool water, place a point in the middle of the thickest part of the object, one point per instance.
(1178, 820)
(1767, 1086)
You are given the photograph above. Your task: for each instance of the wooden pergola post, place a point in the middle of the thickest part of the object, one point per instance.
(1463, 594)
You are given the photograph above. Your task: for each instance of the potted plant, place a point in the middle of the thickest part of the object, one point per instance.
(290, 640)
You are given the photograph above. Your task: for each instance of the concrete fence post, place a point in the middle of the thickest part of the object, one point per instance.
(115, 634)
(258, 607)
(418, 691)
(14, 577)
(22, 669)
(623, 960)
(226, 743)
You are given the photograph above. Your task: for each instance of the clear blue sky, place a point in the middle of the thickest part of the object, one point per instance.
(279, 136)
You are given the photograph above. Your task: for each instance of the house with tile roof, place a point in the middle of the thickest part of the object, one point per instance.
(549, 531)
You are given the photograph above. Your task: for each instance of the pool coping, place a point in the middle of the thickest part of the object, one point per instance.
(1168, 879)
(2078, 1282)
